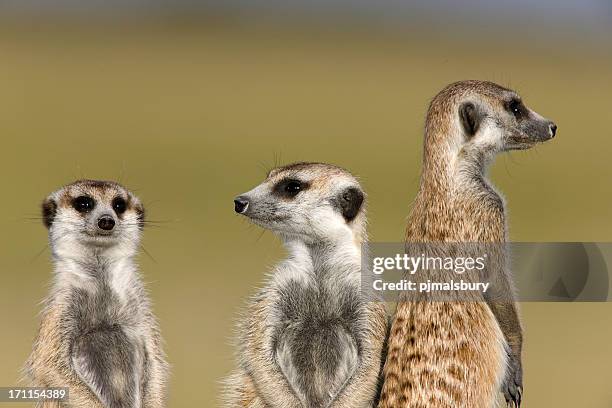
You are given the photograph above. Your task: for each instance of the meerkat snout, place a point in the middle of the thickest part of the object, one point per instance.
(241, 204)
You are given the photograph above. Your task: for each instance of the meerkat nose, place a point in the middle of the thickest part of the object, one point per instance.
(553, 129)
(241, 204)
(106, 223)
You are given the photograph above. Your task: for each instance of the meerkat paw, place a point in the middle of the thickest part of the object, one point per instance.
(512, 387)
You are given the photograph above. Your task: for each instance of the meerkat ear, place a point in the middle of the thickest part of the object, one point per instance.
(140, 210)
(350, 201)
(138, 207)
(470, 118)
(49, 209)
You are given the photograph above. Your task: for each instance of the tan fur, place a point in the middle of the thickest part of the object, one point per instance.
(452, 354)
(48, 364)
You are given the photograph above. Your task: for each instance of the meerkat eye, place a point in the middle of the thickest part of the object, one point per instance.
(515, 107)
(293, 187)
(119, 205)
(289, 188)
(83, 204)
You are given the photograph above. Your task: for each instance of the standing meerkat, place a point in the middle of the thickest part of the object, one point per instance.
(98, 335)
(458, 354)
(310, 338)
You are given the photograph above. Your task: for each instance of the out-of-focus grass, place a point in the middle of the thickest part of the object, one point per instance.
(190, 118)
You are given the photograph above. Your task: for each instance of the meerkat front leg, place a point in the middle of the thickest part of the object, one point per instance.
(260, 382)
(500, 300)
(154, 379)
(111, 365)
(362, 386)
(266, 378)
(507, 317)
(272, 385)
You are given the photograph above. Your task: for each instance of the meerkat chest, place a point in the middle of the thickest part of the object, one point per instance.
(102, 308)
(318, 338)
(317, 304)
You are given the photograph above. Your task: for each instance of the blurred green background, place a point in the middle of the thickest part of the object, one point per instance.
(189, 112)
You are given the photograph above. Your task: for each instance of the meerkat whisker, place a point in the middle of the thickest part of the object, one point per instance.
(147, 253)
(39, 253)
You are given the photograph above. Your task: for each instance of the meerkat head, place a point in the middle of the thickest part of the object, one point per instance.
(93, 214)
(483, 118)
(310, 201)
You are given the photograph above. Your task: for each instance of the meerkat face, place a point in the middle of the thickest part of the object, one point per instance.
(89, 213)
(312, 201)
(495, 119)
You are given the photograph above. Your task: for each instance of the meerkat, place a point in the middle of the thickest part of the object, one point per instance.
(98, 335)
(311, 337)
(459, 354)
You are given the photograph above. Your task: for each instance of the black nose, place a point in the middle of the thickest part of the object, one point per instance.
(241, 204)
(553, 130)
(106, 223)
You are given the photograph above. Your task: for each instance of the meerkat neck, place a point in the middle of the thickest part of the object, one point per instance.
(338, 255)
(454, 190)
(92, 269)
(449, 169)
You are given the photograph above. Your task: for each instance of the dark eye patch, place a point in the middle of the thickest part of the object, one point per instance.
(119, 205)
(515, 107)
(289, 187)
(83, 204)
